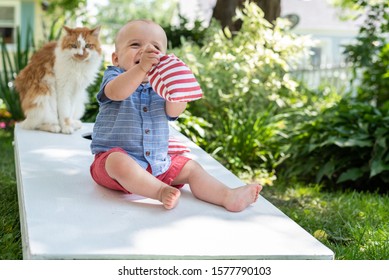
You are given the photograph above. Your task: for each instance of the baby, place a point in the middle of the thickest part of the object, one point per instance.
(130, 136)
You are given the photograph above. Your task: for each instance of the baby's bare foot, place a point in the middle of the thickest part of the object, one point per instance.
(169, 196)
(239, 198)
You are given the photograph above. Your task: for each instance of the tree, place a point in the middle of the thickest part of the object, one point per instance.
(115, 13)
(271, 8)
(58, 13)
(224, 11)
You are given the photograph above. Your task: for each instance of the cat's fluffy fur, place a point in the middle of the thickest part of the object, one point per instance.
(52, 87)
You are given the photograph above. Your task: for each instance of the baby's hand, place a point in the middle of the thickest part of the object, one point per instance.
(149, 58)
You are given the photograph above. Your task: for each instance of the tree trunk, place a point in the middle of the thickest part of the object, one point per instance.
(224, 11)
(271, 8)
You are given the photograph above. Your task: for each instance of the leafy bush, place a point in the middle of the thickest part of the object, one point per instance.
(346, 145)
(92, 107)
(369, 55)
(118, 13)
(246, 83)
(177, 33)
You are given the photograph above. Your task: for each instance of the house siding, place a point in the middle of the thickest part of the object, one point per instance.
(27, 19)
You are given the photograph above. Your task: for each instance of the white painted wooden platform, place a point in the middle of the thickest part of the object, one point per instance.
(65, 215)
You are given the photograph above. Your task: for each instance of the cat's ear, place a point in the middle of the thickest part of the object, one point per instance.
(67, 29)
(96, 31)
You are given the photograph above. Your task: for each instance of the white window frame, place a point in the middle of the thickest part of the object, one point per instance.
(17, 19)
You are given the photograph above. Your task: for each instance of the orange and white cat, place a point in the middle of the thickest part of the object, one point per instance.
(52, 87)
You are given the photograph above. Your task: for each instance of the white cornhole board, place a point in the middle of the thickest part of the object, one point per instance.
(64, 214)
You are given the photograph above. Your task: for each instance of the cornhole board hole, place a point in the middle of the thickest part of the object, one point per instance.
(64, 214)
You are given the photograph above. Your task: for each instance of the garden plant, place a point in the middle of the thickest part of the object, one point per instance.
(322, 155)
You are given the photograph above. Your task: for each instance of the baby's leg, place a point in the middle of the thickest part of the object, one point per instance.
(209, 189)
(135, 179)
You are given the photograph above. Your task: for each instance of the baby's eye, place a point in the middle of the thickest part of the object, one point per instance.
(157, 47)
(135, 45)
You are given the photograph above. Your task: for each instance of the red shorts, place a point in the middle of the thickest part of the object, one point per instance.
(101, 177)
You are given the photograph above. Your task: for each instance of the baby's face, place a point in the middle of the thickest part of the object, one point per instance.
(133, 38)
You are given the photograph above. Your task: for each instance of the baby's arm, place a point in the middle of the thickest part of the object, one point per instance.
(125, 84)
(175, 109)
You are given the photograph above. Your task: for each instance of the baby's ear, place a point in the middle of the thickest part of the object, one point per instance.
(115, 59)
(96, 31)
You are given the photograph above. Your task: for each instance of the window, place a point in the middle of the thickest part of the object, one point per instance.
(316, 57)
(8, 21)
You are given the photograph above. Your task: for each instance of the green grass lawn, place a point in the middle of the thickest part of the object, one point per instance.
(10, 238)
(354, 225)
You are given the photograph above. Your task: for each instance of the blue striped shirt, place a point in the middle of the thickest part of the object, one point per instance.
(138, 124)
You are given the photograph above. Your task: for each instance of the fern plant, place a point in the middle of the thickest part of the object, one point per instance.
(13, 61)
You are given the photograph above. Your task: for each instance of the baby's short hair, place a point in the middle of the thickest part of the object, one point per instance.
(149, 21)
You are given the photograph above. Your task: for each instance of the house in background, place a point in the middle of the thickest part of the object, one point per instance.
(20, 14)
(320, 20)
(317, 18)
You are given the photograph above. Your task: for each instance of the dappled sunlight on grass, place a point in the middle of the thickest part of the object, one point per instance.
(351, 223)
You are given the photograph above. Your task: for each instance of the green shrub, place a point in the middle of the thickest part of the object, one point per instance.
(177, 33)
(246, 84)
(92, 107)
(345, 145)
(117, 13)
(369, 54)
